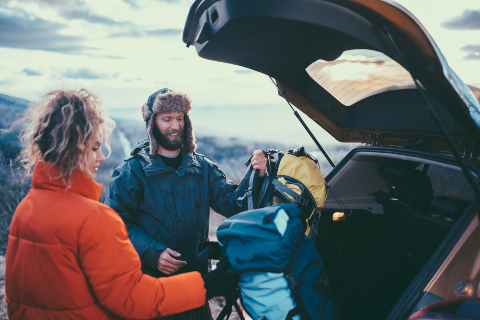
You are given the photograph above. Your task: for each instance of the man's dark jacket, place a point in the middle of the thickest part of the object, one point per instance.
(163, 208)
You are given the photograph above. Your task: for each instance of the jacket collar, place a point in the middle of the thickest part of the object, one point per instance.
(153, 165)
(81, 183)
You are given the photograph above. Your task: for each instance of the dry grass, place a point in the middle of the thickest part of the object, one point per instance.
(14, 185)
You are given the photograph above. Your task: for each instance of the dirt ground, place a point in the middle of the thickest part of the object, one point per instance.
(3, 302)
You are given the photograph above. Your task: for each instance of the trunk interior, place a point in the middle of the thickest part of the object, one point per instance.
(402, 208)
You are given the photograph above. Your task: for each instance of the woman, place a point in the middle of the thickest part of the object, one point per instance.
(68, 255)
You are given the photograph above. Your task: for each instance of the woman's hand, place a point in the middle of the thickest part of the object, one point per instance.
(218, 282)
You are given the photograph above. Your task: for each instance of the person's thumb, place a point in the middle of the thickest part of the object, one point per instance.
(173, 253)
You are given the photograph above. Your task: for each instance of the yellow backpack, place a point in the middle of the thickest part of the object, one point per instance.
(293, 176)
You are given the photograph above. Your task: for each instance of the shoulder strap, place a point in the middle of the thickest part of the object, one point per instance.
(252, 180)
(293, 283)
(251, 184)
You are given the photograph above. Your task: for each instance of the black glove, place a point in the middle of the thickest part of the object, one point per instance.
(217, 282)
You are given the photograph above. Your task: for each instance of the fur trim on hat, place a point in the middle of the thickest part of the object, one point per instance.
(151, 138)
(189, 145)
(169, 101)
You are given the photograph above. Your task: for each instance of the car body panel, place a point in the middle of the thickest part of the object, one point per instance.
(282, 38)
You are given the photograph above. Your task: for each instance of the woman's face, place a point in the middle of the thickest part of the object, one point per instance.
(94, 155)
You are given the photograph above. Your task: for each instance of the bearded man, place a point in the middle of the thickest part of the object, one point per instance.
(163, 191)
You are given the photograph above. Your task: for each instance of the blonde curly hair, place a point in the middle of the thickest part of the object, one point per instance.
(57, 130)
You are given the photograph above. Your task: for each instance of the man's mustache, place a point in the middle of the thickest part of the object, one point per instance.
(172, 132)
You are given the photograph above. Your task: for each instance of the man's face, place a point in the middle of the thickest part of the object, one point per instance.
(168, 130)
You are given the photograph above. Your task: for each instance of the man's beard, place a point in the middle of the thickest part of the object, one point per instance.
(167, 143)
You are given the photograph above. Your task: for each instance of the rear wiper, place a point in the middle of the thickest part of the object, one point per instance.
(282, 92)
(437, 121)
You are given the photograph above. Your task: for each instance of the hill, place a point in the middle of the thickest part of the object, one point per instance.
(10, 109)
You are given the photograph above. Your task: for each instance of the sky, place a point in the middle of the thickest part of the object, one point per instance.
(124, 50)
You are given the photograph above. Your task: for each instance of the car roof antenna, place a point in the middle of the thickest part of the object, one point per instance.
(282, 92)
(437, 120)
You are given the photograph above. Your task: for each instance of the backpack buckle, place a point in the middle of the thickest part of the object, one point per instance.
(323, 286)
(292, 282)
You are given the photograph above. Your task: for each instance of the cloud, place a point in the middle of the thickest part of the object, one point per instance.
(106, 56)
(37, 34)
(31, 72)
(7, 82)
(473, 52)
(89, 16)
(133, 5)
(135, 79)
(51, 3)
(86, 73)
(169, 1)
(244, 71)
(80, 11)
(468, 20)
(147, 33)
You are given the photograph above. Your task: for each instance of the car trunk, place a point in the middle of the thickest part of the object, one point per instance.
(403, 205)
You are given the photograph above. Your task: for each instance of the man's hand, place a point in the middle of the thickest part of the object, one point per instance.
(167, 264)
(259, 161)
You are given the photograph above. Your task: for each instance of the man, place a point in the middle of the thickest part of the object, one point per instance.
(163, 191)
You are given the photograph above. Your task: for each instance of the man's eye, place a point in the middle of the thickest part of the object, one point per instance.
(181, 119)
(95, 149)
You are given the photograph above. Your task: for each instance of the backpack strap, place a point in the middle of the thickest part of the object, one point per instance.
(293, 283)
(249, 192)
(284, 190)
(292, 313)
(321, 284)
(295, 289)
(231, 301)
(314, 227)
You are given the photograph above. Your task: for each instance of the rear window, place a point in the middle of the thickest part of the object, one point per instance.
(359, 74)
(449, 182)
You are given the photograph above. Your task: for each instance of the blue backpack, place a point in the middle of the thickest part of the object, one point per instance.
(281, 275)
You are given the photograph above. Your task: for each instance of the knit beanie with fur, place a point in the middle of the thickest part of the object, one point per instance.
(165, 101)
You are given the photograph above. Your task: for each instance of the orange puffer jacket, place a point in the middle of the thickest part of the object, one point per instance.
(69, 257)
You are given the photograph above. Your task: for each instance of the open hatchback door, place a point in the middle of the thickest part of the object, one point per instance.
(367, 71)
(338, 66)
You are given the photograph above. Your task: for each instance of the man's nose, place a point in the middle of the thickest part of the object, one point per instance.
(175, 125)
